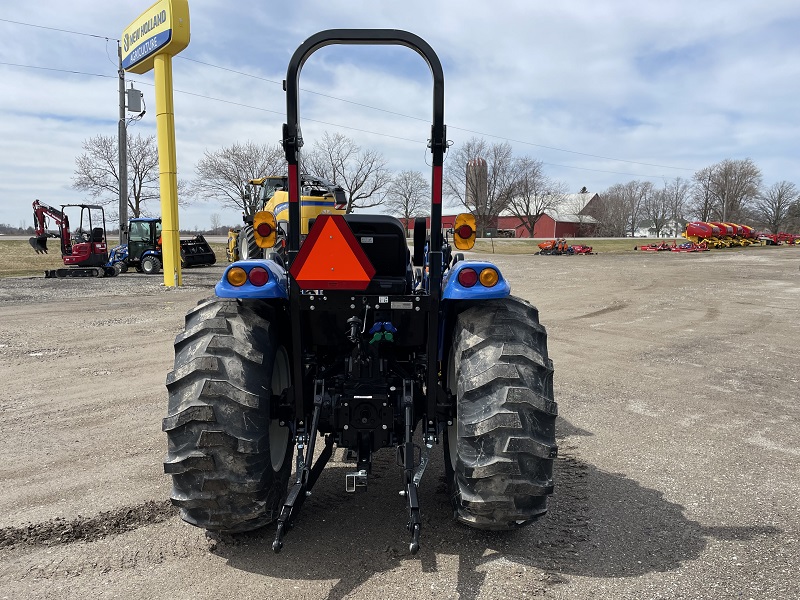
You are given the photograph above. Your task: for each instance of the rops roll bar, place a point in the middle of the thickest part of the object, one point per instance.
(293, 139)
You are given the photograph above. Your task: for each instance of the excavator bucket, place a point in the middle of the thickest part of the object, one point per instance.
(39, 244)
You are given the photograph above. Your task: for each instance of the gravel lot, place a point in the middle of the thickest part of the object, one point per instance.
(677, 477)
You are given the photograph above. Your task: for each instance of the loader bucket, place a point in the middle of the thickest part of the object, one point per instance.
(39, 244)
(196, 252)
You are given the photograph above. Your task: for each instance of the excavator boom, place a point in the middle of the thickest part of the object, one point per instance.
(41, 212)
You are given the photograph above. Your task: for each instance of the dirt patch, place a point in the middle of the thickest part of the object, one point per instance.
(87, 529)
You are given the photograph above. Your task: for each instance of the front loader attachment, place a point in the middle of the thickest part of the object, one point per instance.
(39, 244)
(197, 252)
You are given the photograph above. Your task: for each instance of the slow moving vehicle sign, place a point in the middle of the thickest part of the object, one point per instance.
(331, 258)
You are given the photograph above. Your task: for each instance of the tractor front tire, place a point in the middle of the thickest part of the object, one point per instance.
(248, 248)
(151, 265)
(229, 458)
(499, 451)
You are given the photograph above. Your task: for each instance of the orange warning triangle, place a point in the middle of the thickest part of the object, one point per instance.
(331, 258)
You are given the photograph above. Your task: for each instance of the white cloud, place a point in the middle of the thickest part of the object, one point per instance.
(682, 84)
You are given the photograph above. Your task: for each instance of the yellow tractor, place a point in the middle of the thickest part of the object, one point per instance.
(318, 197)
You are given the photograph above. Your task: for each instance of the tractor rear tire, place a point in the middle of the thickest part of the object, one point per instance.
(248, 248)
(151, 265)
(499, 451)
(230, 460)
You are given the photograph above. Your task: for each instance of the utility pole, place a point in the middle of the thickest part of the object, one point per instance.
(123, 155)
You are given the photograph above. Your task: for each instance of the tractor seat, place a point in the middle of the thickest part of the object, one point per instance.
(383, 239)
(97, 235)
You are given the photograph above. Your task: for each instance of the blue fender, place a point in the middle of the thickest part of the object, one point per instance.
(277, 285)
(156, 253)
(453, 290)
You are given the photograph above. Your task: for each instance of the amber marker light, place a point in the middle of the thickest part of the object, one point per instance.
(237, 276)
(489, 277)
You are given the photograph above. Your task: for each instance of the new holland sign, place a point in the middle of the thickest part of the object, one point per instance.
(161, 29)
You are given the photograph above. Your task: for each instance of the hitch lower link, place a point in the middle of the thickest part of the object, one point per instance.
(307, 475)
(411, 476)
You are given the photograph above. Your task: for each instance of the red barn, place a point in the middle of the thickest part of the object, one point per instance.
(573, 219)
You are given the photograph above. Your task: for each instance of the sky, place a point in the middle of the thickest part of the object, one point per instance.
(600, 92)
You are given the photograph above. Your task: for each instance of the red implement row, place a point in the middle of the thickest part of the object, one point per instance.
(691, 247)
(663, 246)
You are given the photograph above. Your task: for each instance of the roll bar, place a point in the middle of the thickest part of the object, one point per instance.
(293, 138)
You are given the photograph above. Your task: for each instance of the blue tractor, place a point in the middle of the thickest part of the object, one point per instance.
(346, 338)
(143, 250)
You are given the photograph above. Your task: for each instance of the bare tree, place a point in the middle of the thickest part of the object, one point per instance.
(634, 195)
(657, 207)
(216, 222)
(701, 196)
(223, 175)
(622, 207)
(725, 191)
(485, 193)
(361, 173)
(793, 217)
(735, 185)
(408, 194)
(534, 193)
(97, 171)
(677, 191)
(773, 206)
(611, 212)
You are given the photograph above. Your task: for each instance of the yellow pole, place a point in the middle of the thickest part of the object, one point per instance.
(168, 170)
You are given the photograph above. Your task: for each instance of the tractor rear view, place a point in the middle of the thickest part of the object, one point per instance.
(351, 341)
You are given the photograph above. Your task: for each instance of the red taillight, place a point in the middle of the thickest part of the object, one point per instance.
(258, 276)
(467, 277)
(464, 232)
(264, 229)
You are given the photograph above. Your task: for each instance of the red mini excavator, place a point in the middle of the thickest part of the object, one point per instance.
(84, 251)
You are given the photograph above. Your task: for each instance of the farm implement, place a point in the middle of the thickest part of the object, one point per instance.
(777, 239)
(716, 234)
(690, 247)
(662, 247)
(560, 247)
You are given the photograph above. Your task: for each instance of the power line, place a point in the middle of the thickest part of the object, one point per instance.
(57, 70)
(102, 37)
(276, 112)
(349, 128)
(633, 162)
(382, 134)
(499, 137)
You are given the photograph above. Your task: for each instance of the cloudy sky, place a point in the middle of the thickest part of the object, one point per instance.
(601, 92)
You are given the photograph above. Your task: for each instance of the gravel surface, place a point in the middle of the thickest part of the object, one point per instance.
(677, 382)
